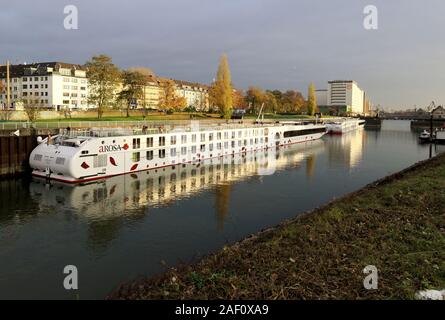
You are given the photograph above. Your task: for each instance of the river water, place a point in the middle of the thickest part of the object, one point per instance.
(135, 225)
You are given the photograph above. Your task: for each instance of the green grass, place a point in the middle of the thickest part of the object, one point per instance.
(397, 224)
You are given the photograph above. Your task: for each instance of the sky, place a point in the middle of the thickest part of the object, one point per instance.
(273, 44)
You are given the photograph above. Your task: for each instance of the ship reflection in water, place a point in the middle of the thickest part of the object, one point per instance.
(347, 149)
(136, 193)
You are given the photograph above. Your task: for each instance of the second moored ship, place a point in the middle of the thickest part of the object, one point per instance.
(83, 156)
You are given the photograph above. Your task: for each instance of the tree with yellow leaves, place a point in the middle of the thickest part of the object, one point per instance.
(221, 92)
(311, 100)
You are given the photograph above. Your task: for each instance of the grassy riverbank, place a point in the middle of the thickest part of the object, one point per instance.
(396, 224)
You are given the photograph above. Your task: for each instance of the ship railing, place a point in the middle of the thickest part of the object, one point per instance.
(159, 129)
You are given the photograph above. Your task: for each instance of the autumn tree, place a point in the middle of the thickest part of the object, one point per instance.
(239, 100)
(255, 96)
(311, 100)
(133, 83)
(221, 92)
(143, 70)
(103, 77)
(31, 108)
(169, 101)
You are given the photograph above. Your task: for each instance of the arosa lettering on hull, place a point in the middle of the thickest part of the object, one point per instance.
(110, 148)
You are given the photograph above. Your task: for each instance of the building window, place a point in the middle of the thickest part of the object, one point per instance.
(218, 145)
(193, 137)
(203, 148)
(211, 147)
(203, 137)
(162, 153)
(173, 140)
(210, 136)
(183, 151)
(150, 155)
(161, 141)
(136, 156)
(218, 135)
(173, 152)
(149, 142)
(193, 149)
(184, 139)
(136, 143)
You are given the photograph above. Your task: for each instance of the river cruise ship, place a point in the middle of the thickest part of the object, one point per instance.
(79, 156)
(344, 125)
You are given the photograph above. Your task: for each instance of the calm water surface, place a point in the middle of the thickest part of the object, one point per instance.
(129, 226)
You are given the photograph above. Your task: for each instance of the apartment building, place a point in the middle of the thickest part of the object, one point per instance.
(196, 95)
(49, 85)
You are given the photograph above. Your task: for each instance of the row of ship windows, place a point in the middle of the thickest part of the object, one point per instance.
(136, 156)
(173, 139)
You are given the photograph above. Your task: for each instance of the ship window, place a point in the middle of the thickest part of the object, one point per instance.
(149, 142)
(149, 155)
(38, 157)
(296, 133)
(161, 141)
(136, 156)
(85, 152)
(136, 143)
(173, 140)
(60, 161)
(100, 161)
(162, 153)
(173, 152)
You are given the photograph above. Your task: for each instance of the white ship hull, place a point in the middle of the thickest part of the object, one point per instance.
(345, 126)
(85, 158)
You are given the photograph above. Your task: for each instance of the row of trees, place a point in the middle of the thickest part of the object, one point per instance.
(276, 101)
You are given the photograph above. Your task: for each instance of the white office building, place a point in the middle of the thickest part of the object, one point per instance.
(345, 96)
(49, 85)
